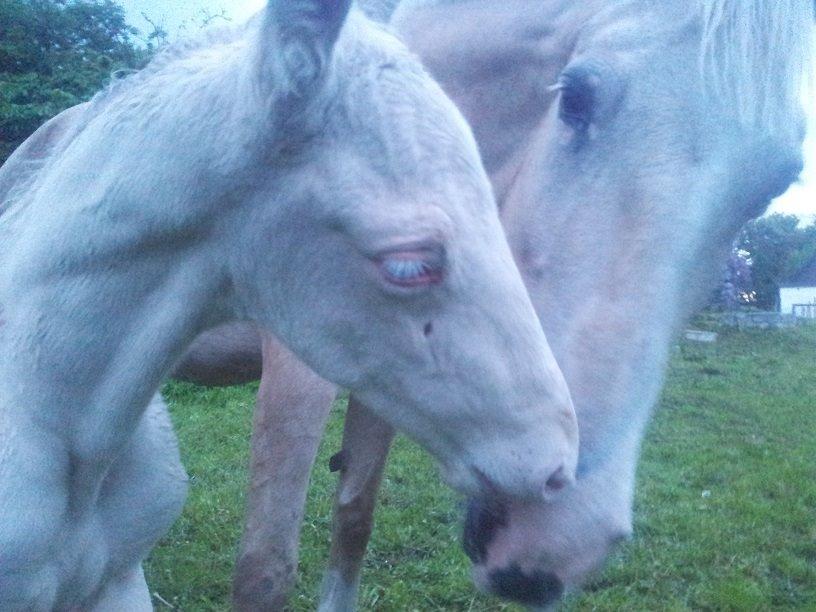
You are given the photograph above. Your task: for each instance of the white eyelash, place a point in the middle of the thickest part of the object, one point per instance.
(405, 269)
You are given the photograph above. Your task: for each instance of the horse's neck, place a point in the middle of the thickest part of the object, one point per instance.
(496, 60)
(119, 256)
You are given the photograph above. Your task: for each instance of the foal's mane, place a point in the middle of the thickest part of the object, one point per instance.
(20, 174)
(378, 10)
(126, 81)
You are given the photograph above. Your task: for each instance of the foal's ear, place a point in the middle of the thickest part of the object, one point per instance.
(298, 40)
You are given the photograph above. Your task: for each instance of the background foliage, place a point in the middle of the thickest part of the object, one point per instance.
(55, 54)
(778, 249)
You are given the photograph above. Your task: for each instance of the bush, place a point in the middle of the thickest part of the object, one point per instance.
(55, 54)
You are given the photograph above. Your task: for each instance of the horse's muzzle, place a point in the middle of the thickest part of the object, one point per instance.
(536, 589)
(484, 518)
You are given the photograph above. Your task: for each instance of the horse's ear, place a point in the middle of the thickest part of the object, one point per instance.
(298, 38)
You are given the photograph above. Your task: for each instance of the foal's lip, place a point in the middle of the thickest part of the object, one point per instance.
(488, 487)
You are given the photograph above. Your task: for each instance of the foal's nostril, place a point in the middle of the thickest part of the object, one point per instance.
(483, 519)
(559, 479)
(536, 589)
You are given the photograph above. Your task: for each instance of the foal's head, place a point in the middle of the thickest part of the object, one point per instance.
(370, 243)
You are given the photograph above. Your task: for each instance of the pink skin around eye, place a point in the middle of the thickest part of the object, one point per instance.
(411, 269)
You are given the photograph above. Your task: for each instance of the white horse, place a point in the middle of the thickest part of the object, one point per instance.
(627, 142)
(302, 172)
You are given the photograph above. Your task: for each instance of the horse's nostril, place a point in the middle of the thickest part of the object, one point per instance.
(483, 519)
(536, 589)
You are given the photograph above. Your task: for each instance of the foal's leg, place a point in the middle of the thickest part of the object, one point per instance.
(290, 416)
(86, 557)
(126, 593)
(366, 440)
(140, 498)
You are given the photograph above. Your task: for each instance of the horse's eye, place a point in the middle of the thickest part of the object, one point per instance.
(577, 103)
(412, 268)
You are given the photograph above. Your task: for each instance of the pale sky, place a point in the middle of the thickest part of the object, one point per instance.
(799, 200)
(173, 14)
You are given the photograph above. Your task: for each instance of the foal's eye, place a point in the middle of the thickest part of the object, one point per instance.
(577, 102)
(415, 268)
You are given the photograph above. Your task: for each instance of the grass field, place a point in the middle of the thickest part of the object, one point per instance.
(725, 507)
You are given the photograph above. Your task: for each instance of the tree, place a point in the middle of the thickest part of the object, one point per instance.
(737, 287)
(778, 248)
(55, 54)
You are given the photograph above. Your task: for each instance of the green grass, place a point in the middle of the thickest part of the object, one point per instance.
(725, 506)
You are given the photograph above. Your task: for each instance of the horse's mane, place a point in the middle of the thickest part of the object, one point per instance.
(756, 57)
(378, 10)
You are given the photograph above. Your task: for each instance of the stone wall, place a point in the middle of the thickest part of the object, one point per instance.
(759, 320)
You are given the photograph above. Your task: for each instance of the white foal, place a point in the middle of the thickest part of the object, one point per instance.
(301, 172)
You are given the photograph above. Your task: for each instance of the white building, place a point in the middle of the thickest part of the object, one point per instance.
(798, 296)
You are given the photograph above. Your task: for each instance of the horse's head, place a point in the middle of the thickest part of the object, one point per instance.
(378, 256)
(656, 129)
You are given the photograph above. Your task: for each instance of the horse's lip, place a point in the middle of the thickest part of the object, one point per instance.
(536, 589)
(482, 579)
(484, 518)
